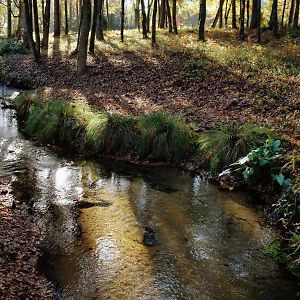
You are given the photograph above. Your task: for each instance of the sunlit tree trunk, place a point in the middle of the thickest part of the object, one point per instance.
(248, 13)
(29, 32)
(84, 36)
(283, 13)
(122, 19)
(153, 34)
(99, 30)
(46, 24)
(56, 18)
(36, 27)
(94, 25)
(107, 15)
(202, 15)
(169, 16)
(136, 14)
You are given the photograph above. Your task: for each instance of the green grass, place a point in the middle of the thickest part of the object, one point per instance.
(220, 147)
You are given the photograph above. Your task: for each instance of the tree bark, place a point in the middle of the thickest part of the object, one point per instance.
(174, 17)
(94, 25)
(136, 14)
(248, 13)
(99, 31)
(29, 32)
(234, 26)
(169, 16)
(242, 21)
(153, 34)
(107, 15)
(46, 24)
(291, 14)
(8, 19)
(258, 27)
(36, 28)
(144, 20)
(202, 15)
(84, 36)
(56, 18)
(254, 14)
(66, 18)
(122, 19)
(273, 23)
(283, 13)
(296, 15)
(162, 14)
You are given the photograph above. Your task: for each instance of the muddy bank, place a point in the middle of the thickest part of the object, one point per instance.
(19, 250)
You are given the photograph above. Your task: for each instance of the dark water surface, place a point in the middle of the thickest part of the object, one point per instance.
(210, 243)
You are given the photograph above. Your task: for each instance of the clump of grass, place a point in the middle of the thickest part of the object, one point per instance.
(221, 147)
(197, 68)
(164, 137)
(9, 46)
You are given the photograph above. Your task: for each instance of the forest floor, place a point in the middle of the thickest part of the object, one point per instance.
(222, 79)
(19, 251)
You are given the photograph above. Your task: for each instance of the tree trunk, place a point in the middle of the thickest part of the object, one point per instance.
(162, 14)
(94, 25)
(8, 19)
(227, 11)
(122, 19)
(169, 16)
(46, 24)
(258, 26)
(148, 15)
(202, 15)
(153, 34)
(248, 13)
(254, 14)
(56, 18)
(296, 15)
(99, 31)
(174, 17)
(66, 18)
(291, 15)
(20, 20)
(234, 26)
(221, 14)
(273, 23)
(36, 28)
(283, 13)
(144, 20)
(137, 14)
(29, 32)
(242, 20)
(107, 15)
(84, 36)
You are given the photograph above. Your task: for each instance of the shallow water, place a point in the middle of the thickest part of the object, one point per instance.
(210, 243)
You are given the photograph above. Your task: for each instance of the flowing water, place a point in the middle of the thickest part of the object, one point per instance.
(210, 244)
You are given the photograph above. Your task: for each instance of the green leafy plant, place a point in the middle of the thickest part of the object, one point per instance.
(9, 46)
(197, 68)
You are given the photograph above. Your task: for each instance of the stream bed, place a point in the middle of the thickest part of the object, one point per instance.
(209, 244)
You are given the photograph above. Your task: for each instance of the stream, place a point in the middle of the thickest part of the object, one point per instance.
(209, 244)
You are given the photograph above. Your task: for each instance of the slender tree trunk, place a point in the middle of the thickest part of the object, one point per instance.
(227, 14)
(144, 20)
(66, 18)
(9, 19)
(107, 15)
(174, 16)
(242, 20)
(46, 24)
(291, 14)
(254, 14)
(20, 20)
(122, 19)
(283, 13)
(148, 15)
(258, 25)
(169, 16)
(36, 28)
(94, 25)
(84, 36)
(248, 14)
(56, 18)
(296, 15)
(273, 23)
(162, 14)
(202, 15)
(136, 14)
(30, 13)
(99, 30)
(153, 35)
(29, 32)
(234, 26)
(221, 14)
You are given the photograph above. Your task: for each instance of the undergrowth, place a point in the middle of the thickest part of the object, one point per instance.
(10, 46)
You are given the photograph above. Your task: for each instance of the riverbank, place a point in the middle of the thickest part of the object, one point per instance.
(19, 250)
